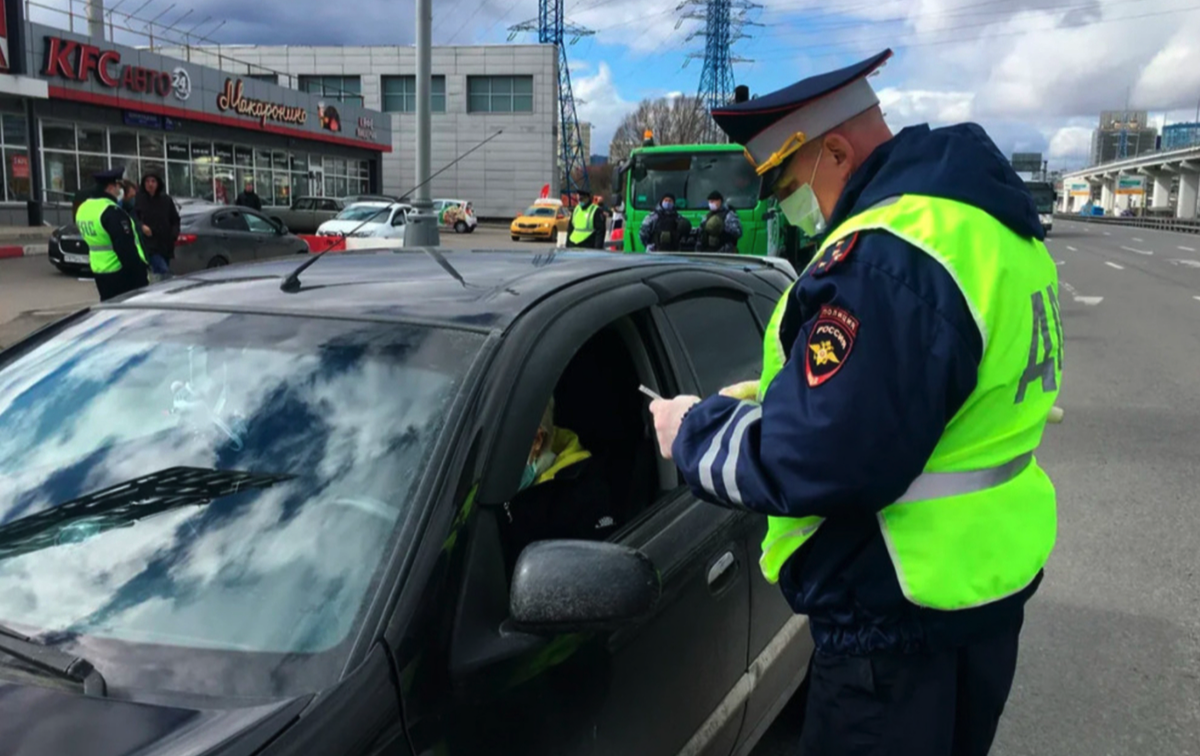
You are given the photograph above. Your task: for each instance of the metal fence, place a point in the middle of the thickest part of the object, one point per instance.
(1160, 224)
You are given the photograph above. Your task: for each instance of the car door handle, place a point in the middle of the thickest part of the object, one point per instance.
(722, 571)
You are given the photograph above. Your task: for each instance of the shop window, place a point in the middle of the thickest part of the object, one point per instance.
(131, 165)
(58, 137)
(299, 163)
(283, 190)
(299, 184)
(224, 192)
(279, 161)
(179, 179)
(151, 145)
(500, 94)
(262, 158)
(201, 151)
(16, 171)
(202, 181)
(89, 166)
(400, 94)
(62, 176)
(177, 149)
(93, 140)
(341, 88)
(123, 142)
(223, 153)
(243, 156)
(14, 130)
(158, 169)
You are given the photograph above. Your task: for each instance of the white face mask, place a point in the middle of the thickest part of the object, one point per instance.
(801, 207)
(714, 206)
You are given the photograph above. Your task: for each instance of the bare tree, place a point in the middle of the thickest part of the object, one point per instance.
(674, 120)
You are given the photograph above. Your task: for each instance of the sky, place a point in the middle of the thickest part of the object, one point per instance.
(1034, 73)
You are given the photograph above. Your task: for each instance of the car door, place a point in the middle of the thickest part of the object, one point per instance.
(268, 242)
(396, 224)
(721, 334)
(302, 215)
(327, 209)
(234, 239)
(672, 681)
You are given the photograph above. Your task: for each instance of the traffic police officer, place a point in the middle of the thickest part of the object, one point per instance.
(906, 381)
(583, 227)
(114, 249)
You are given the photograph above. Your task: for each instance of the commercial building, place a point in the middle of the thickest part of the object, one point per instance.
(74, 106)
(1177, 136)
(1122, 134)
(507, 94)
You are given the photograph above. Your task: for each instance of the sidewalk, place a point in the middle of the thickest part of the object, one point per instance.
(22, 241)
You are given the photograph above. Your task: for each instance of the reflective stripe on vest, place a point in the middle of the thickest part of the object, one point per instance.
(979, 523)
(101, 255)
(582, 223)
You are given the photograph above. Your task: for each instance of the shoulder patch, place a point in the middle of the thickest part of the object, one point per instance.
(829, 344)
(838, 252)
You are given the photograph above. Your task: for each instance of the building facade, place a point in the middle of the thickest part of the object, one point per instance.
(505, 93)
(1122, 134)
(1178, 136)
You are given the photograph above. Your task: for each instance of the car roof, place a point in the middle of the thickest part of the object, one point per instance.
(476, 289)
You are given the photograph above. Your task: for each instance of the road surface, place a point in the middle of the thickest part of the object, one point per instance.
(1110, 661)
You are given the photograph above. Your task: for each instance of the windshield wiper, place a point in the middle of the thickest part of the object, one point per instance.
(60, 664)
(125, 503)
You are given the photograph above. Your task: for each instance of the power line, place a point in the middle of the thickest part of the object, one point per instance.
(467, 23)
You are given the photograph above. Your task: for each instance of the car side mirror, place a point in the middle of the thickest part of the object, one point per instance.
(581, 586)
(280, 228)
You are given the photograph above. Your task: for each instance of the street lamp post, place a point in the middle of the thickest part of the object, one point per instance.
(422, 228)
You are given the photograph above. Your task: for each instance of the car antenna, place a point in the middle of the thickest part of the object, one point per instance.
(291, 284)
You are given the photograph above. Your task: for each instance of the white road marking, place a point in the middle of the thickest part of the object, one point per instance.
(1114, 265)
(1072, 248)
(1197, 298)
(1187, 249)
(1188, 263)
(1139, 251)
(1107, 234)
(1060, 262)
(1080, 299)
(1136, 239)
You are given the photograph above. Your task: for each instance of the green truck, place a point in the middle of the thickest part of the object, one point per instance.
(691, 172)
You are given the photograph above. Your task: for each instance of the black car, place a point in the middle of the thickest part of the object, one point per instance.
(68, 251)
(247, 514)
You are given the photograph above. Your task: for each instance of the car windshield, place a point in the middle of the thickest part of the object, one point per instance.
(692, 177)
(1043, 196)
(364, 212)
(211, 492)
(540, 212)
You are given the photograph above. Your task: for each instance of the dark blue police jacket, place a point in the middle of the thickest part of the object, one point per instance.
(853, 444)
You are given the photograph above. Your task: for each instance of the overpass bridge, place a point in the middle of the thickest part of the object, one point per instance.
(1159, 169)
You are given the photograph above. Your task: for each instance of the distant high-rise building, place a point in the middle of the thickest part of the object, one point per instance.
(1180, 135)
(1122, 134)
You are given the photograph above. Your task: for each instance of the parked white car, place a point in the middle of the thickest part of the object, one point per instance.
(376, 220)
(456, 214)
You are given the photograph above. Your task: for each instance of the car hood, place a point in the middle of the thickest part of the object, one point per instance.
(68, 230)
(346, 227)
(36, 720)
(532, 219)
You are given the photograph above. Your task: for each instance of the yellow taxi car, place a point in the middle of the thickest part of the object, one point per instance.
(541, 220)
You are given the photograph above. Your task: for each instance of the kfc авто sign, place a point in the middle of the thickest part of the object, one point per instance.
(4, 35)
(77, 61)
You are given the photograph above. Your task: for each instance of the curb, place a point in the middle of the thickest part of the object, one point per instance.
(28, 250)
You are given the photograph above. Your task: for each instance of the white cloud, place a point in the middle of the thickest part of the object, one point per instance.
(603, 105)
(1071, 144)
(907, 107)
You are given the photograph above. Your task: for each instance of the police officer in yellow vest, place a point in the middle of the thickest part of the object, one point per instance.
(587, 223)
(114, 249)
(907, 379)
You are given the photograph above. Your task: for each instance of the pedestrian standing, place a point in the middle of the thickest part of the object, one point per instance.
(906, 381)
(664, 230)
(584, 227)
(248, 198)
(721, 228)
(159, 219)
(115, 251)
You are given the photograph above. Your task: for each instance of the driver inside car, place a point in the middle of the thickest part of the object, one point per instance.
(564, 492)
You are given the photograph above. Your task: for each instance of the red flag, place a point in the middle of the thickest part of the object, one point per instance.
(545, 192)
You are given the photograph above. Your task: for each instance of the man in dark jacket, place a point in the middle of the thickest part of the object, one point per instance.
(248, 198)
(159, 219)
(664, 229)
(721, 229)
(907, 379)
(564, 493)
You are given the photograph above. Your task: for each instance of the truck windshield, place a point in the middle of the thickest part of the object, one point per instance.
(691, 177)
(205, 502)
(1043, 196)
